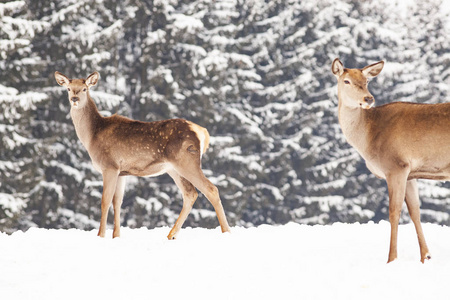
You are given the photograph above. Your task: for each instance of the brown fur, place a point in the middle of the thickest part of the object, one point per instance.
(400, 142)
(119, 146)
(419, 133)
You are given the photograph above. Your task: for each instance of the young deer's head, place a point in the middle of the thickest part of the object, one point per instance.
(352, 84)
(78, 89)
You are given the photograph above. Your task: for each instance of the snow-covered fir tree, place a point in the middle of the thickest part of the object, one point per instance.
(255, 73)
(20, 168)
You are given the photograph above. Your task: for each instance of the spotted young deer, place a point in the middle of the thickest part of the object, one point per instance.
(400, 142)
(119, 146)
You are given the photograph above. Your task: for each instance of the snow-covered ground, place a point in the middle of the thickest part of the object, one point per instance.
(341, 261)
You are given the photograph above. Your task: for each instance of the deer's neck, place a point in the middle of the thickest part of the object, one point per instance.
(86, 120)
(354, 125)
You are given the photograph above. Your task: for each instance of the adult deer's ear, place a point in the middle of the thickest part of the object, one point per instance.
(92, 79)
(337, 67)
(373, 70)
(61, 79)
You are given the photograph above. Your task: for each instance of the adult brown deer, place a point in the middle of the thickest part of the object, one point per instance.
(119, 146)
(400, 142)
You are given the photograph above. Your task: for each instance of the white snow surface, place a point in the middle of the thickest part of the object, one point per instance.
(340, 261)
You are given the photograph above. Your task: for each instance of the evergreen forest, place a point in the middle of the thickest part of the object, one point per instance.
(255, 73)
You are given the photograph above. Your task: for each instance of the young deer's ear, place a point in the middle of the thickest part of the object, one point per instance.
(61, 79)
(373, 70)
(92, 79)
(337, 68)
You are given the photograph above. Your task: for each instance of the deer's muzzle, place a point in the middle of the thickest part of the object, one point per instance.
(75, 101)
(368, 102)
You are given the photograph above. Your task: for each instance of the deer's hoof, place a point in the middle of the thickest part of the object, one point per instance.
(426, 257)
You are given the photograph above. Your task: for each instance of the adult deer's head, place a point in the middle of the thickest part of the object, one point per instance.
(78, 89)
(352, 83)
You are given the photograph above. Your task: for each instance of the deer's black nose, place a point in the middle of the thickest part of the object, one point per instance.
(369, 100)
(75, 99)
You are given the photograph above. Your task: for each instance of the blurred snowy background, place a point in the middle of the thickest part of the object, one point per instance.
(255, 73)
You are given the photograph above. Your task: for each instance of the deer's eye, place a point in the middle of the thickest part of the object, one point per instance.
(346, 82)
(84, 90)
(68, 89)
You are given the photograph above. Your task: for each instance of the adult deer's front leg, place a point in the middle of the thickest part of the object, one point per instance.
(396, 185)
(413, 203)
(109, 186)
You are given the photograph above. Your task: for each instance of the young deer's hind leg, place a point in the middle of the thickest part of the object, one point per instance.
(189, 196)
(190, 169)
(413, 204)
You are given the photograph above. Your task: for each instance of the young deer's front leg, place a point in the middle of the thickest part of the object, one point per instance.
(110, 178)
(117, 203)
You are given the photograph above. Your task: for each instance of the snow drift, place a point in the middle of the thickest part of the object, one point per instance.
(341, 261)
